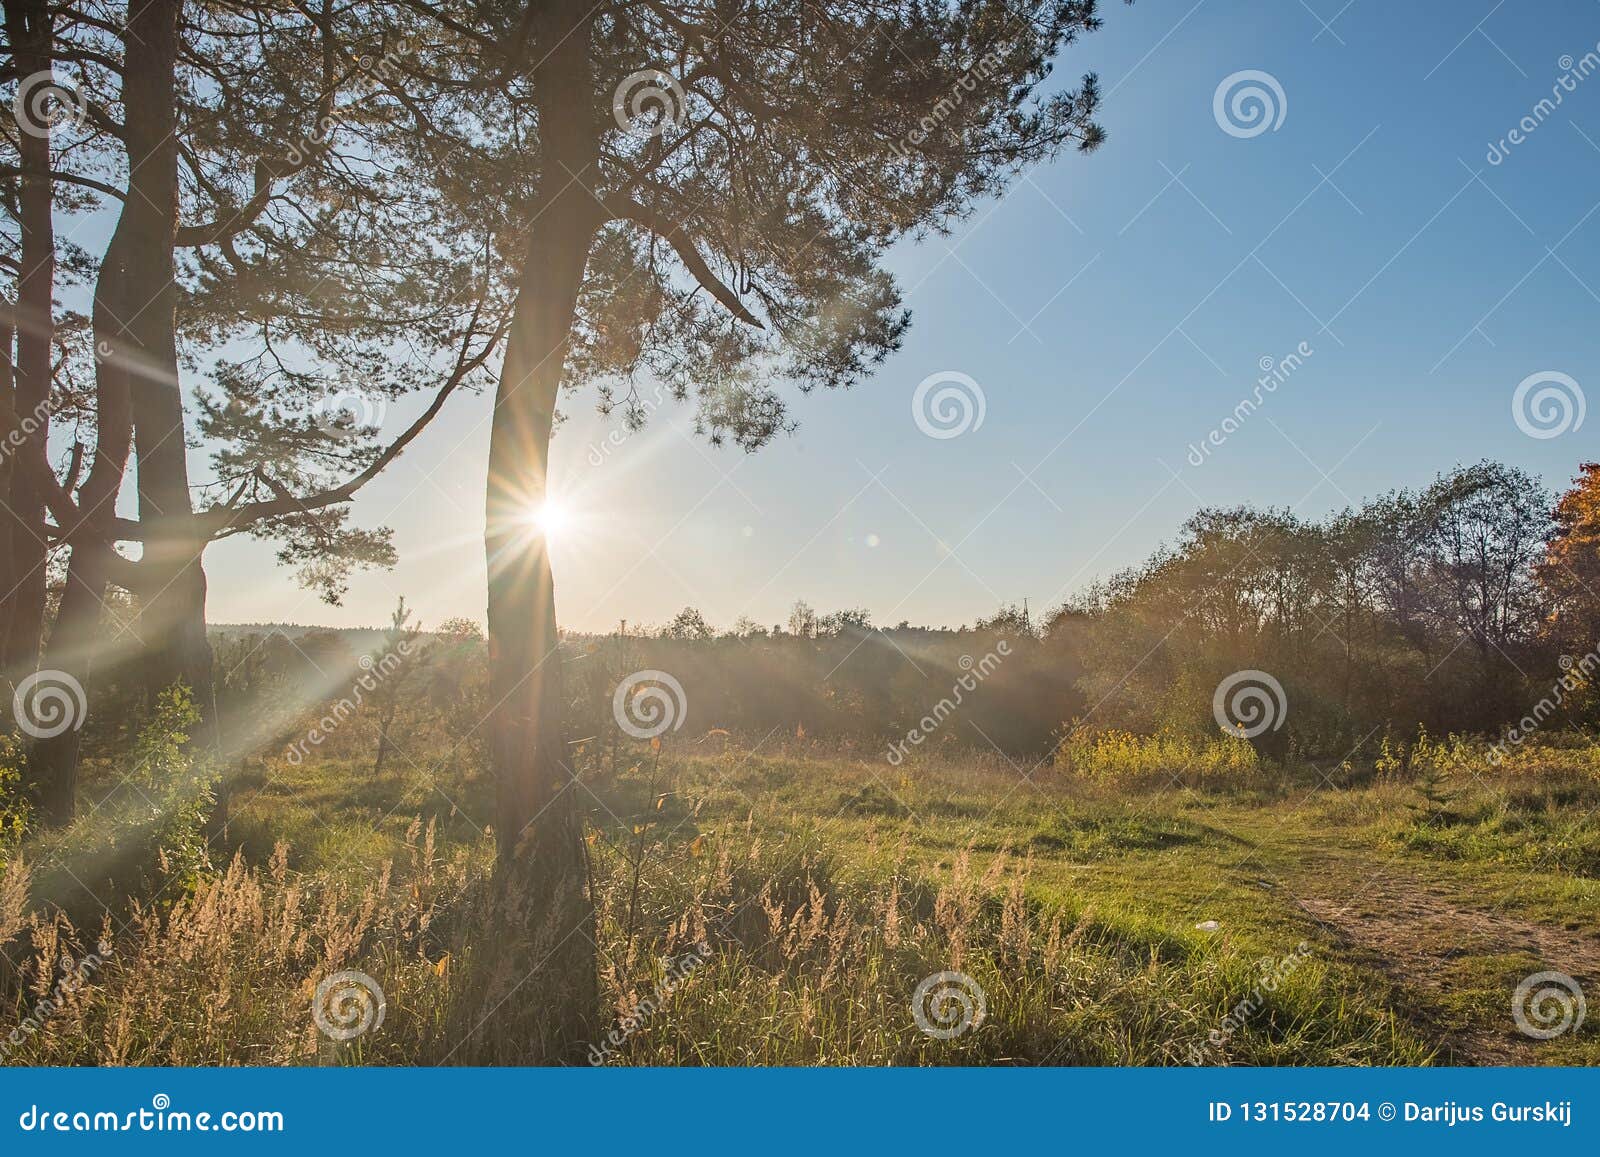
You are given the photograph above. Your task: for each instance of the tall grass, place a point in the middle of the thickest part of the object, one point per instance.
(795, 965)
(1524, 805)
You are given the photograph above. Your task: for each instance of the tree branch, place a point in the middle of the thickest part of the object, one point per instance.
(227, 518)
(191, 236)
(71, 179)
(270, 170)
(625, 209)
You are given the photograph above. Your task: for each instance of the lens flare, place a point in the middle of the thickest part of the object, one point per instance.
(551, 517)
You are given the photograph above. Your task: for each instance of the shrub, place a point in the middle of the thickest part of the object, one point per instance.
(1121, 758)
(14, 807)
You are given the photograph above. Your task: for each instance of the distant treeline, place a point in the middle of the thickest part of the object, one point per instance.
(1460, 607)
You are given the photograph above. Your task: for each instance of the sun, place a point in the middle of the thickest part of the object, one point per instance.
(550, 517)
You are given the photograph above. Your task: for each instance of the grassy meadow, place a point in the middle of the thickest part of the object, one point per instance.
(778, 900)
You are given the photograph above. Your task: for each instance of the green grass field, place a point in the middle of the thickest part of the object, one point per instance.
(1285, 917)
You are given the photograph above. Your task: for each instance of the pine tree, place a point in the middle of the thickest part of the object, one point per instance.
(703, 193)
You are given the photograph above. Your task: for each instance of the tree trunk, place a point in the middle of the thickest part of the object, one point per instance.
(537, 820)
(10, 431)
(30, 30)
(172, 615)
(75, 640)
(54, 759)
(121, 330)
(384, 723)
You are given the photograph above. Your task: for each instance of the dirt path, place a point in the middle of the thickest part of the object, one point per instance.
(1445, 952)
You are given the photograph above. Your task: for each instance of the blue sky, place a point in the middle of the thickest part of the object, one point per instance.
(1113, 309)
